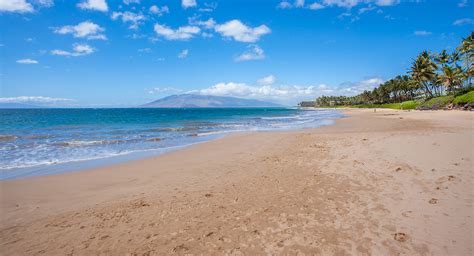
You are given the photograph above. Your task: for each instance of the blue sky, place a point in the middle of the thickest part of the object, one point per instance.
(93, 53)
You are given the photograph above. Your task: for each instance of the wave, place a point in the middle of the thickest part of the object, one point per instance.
(82, 143)
(178, 129)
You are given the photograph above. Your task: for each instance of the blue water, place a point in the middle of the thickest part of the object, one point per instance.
(44, 141)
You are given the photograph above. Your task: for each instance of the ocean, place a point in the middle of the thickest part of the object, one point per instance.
(45, 141)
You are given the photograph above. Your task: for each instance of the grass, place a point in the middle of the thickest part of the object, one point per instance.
(464, 99)
(433, 103)
(438, 102)
(411, 104)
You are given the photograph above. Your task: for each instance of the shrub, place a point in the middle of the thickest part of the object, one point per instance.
(463, 90)
(437, 103)
(464, 99)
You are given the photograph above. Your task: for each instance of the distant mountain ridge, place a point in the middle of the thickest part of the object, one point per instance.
(206, 101)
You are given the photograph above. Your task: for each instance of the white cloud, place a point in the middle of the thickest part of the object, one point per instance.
(45, 3)
(240, 32)
(135, 19)
(288, 94)
(284, 5)
(127, 2)
(15, 6)
(33, 99)
(466, 21)
(341, 3)
(268, 80)
(254, 53)
(422, 33)
(27, 61)
(338, 3)
(366, 9)
(387, 2)
(207, 24)
(188, 3)
(181, 33)
(463, 3)
(77, 50)
(299, 3)
(86, 29)
(159, 10)
(183, 54)
(97, 5)
(316, 6)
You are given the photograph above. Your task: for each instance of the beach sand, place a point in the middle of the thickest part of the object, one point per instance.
(384, 183)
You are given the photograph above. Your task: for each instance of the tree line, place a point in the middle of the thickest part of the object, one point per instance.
(430, 75)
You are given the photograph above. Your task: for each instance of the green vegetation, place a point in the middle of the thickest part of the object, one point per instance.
(437, 103)
(464, 99)
(433, 82)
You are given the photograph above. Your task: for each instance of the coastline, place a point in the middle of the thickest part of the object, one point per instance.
(67, 145)
(375, 183)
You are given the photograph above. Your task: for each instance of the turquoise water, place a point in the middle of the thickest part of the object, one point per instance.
(43, 141)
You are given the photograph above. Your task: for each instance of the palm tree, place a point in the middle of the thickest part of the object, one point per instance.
(423, 72)
(451, 78)
(443, 58)
(466, 50)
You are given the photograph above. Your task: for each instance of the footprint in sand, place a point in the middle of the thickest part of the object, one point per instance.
(433, 201)
(400, 237)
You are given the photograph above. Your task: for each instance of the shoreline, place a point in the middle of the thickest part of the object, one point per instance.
(320, 186)
(92, 161)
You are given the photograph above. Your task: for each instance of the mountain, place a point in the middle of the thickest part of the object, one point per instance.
(206, 101)
(17, 105)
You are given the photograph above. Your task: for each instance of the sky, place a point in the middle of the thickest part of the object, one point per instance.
(114, 53)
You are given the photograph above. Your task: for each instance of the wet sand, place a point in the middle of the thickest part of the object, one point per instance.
(384, 183)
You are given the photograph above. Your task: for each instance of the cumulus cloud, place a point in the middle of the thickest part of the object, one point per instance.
(77, 50)
(207, 24)
(316, 6)
(96, 5)
(86, 29)
(422, 33)
(338, 3)
(15, 6)
(181, 33)
(240, 32)
(127, 2)
(287, 94)
(188, 3)
(27, 61)
(183, 54)
(135, 19)
(157, 10)
(284, 5)
(387, 2)
(466, 21)
(268, 80)
(253, 53)
(33, 99)
(352, 3)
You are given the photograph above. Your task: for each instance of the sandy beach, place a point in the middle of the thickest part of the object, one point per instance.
(383, 183)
